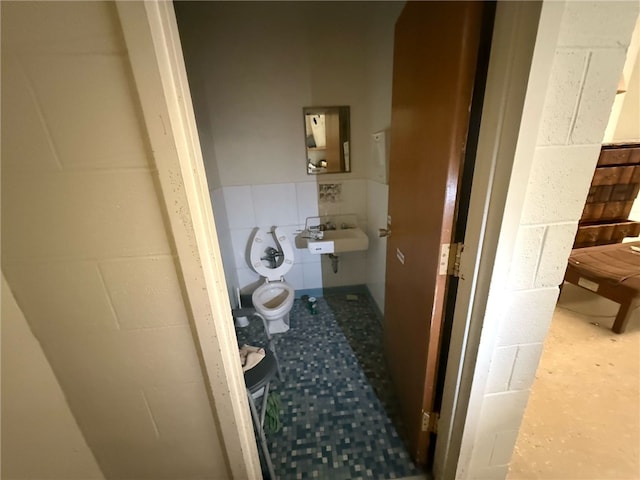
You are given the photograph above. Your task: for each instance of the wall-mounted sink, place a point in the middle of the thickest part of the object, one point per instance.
(333, 241)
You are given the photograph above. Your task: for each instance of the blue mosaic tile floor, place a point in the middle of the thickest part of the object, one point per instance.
(334, 423)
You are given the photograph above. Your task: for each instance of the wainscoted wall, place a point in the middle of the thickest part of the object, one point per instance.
(287, 205)
(252, 67)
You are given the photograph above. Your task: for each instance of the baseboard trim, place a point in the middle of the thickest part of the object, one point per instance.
(361, 289)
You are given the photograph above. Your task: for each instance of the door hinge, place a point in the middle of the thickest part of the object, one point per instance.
(455, 257)
(430, 421)
(450, 258)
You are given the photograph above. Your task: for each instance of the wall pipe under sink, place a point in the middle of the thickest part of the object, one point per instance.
(334, 262)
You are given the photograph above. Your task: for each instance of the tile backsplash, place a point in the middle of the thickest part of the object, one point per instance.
(286, 205)
(330, 192)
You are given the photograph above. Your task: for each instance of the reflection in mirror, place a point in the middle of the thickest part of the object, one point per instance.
(327, 139)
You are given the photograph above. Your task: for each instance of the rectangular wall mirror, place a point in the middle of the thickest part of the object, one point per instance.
(327, 139)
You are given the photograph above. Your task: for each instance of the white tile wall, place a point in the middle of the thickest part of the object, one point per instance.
(241, 239)
(377, 209)
(239, 207)
(354, 198)
(295, 277)
(307, 200)
(219, 209)
(304, 256)
(248, 280)
(312, 273)
(225, 243)
(287, 206)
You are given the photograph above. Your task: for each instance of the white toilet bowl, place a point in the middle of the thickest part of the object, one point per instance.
(274, 299)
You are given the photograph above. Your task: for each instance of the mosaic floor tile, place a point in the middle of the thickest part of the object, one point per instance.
(336, 396)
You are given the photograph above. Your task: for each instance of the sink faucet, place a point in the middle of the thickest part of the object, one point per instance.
(315, 232)
(328, 226)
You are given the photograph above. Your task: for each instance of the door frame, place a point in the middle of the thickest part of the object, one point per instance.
(522, 52)
(153, 45)
(152, 39)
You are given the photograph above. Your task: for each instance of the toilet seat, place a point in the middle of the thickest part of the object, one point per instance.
(258, 246)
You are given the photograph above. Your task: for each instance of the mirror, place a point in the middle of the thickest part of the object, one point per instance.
(327, 139)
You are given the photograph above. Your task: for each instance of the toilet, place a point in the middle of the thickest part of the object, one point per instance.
(273, 299)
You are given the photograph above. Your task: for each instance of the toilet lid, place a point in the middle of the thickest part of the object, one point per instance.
(258, 247)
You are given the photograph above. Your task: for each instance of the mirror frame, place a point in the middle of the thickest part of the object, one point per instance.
(338, 150)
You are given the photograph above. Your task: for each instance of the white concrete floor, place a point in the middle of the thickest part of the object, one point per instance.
(583, 416)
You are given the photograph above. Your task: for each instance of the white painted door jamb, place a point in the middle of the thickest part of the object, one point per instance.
(153, 44)
(519, 69)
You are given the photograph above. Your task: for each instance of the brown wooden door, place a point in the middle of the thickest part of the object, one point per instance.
(436, 47)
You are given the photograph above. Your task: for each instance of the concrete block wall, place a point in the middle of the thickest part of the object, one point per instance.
(40, 436)
(589, 56)
(87, 249)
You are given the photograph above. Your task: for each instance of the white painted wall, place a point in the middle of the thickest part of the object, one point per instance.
(87, 249)
(380, 76)
(377, 210)
(252, 67)
(547, 189)
(628, 126)
(40, 436)
(624, 121)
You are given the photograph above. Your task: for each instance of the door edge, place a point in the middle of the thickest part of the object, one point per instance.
(510, 76)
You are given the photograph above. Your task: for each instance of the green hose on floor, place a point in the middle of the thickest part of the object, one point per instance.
(272, 423)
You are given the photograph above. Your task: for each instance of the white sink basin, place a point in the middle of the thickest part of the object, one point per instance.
(334, 241)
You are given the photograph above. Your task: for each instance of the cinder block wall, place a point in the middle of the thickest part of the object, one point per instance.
(40, 437)
(87, 250)
(588, 59)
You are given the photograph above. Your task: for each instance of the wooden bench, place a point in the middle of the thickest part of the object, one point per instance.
(611, 271)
